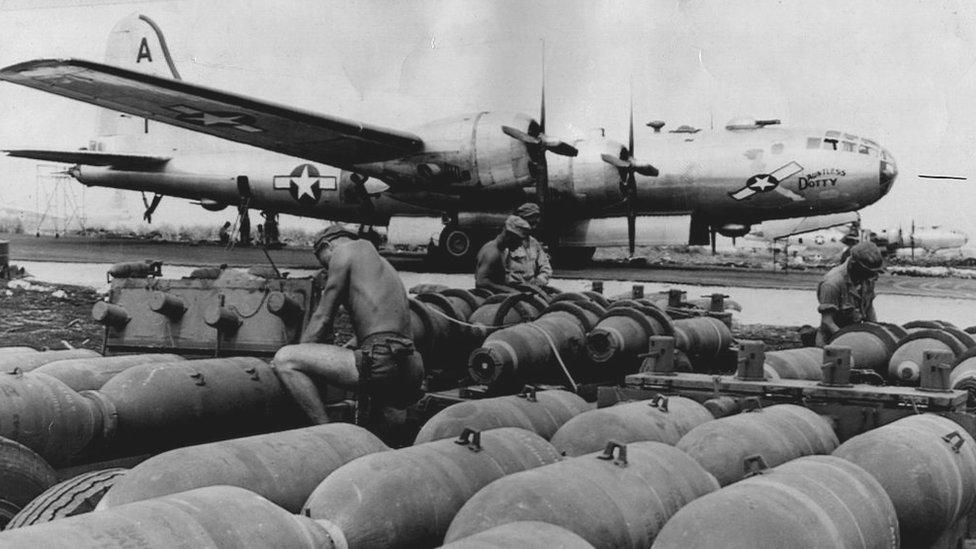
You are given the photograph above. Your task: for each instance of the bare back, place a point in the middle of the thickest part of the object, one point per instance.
(370, 289)
(376, 299)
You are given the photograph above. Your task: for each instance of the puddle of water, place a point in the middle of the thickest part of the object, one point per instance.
(759, 306)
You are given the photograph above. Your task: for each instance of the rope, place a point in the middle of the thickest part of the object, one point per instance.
(555, 351)
(468, 324)
(256, 309)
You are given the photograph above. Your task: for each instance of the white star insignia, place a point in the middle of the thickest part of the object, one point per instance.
(762, 184)
(208, 119)
(304, 183)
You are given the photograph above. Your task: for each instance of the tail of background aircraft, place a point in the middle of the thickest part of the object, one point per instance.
(137, 43)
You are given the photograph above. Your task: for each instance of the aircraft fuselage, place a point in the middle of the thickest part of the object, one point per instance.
(727, 177)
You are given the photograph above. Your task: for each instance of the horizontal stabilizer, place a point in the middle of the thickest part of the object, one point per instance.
(273, 127)
(93, 158)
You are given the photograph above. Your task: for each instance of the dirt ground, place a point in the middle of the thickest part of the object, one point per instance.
(41, 320)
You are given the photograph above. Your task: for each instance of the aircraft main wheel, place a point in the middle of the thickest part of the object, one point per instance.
(573, 257)
(458, 247)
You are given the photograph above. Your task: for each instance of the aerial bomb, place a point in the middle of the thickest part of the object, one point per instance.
(663, 419)
(777, 434)
(216, 516)
(617, 498)
(283, 467)
(810, 502)
(530, 534)
(86, 374)
(542, 412)
(417, 490)
(922, 458)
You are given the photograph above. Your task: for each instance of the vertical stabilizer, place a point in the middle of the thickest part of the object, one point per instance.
(136, 43)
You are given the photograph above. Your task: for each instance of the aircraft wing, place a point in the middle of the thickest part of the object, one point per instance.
(93, 158)
(270, 126)
(782, 228)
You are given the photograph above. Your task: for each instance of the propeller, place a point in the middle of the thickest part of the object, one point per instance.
(537, 146)
(541, 140)
(368, 188)
(628, 165)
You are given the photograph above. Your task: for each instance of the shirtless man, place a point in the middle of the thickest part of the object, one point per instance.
(491, 273)
(385, 368)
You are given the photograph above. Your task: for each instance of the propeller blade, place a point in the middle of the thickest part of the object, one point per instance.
(615, 162)
(645, 169)
(518, 134)
(630, 140)
(562, 148)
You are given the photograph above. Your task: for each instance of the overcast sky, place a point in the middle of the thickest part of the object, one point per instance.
(898, 71)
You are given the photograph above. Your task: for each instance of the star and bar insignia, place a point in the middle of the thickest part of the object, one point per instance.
(305, 183)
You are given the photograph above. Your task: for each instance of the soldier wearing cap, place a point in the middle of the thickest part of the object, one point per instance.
(386, 372)
(529, 263)
(846, 292)
(491, 273)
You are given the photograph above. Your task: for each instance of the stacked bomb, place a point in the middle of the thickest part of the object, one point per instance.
(507, 486)
(551, 347)
(315, 470)
(448, 323)
(150, 403)
(623, 333)
(240, 489)
(896, 352)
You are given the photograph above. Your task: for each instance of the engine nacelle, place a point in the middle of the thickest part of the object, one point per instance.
(733, 230)
(586, 178)
(465, 153)
(211, 205)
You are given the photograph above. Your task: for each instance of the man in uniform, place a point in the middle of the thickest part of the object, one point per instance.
(846, 292)
(224, 234)
(529, 264)
(385, 371)
(491, 272)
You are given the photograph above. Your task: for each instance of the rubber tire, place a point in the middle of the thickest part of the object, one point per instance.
(75, 496)
(23, 476)
(452, 255)
(572, 257)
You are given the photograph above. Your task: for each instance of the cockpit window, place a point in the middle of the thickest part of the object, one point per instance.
(833, 141)
(868, 150)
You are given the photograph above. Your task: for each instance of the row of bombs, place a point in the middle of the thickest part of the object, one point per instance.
(75, 404)
(507, 340)
(893, 353)
(681, 480)
(74, 407)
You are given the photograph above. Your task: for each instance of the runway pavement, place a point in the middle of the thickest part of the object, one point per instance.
(114, 250)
